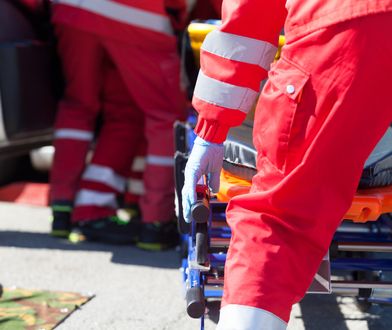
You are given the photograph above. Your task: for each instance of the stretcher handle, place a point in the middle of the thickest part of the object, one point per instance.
(195, 302)
(200, 211)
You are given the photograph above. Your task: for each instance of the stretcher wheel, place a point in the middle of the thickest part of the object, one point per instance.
(201, 243)
(361, 301)
(195, 302)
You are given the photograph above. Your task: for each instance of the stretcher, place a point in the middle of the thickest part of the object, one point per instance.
(361, 250)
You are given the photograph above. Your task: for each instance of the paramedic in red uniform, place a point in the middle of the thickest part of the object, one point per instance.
(129, 47)
(325, 106)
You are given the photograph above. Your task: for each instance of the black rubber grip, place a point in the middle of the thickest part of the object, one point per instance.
(200, 212)
(195, 302)
(201, 243)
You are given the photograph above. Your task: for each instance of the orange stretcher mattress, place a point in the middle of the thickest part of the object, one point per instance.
(367, 205)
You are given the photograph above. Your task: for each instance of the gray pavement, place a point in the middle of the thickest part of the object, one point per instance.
(133, 289)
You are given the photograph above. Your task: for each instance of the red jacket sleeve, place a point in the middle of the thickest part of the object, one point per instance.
(234, 60)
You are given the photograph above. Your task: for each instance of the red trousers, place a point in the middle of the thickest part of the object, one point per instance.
(324, 108)
(94, 87)
(138, 90)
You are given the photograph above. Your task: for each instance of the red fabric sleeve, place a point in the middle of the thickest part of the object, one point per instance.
(234, 60)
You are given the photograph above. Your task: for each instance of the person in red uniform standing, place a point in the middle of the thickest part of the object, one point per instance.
(317, 120)
(128, 45)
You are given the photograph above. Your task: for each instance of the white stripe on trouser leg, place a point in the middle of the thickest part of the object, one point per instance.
(139, 164)
(160, 160)
(73, 134)
(87, 197)
(241, 317)
(104, 175)
(136, 187)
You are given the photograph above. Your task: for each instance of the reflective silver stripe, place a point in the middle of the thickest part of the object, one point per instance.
(139, 163)
(125, 14)
(223, 94)
(325, 283)
(104, 175)
(86, 197)
(74, 134)
(160, 160)
(136, 187)
(240, 317)
(239, 48)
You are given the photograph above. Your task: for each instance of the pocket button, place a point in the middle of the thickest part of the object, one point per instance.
(290, 89)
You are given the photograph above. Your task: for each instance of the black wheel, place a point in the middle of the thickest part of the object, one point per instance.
(361, 301)
(201, 243)
(1, 290)
(362, 304)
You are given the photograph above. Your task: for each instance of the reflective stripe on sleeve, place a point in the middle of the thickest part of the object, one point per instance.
(104, 175)
(74, 134)
(124, 14)
(136, 187)
(223, 94)
(160, 160)
(240, 317)
(239, 48)
(87, 197)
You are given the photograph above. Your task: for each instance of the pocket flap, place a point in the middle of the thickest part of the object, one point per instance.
(288, 77)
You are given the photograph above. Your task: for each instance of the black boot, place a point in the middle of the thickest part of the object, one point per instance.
(61, 213)
(158, 236)
(111, 230)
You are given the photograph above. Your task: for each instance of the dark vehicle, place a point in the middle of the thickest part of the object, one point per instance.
(29, 79)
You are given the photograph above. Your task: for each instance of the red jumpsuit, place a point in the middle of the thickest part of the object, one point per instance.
(206, 9)
(121, 53)
(323, 109)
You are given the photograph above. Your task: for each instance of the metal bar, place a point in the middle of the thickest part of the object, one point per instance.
(361, 285)
(347, 285)
(217, 242)
(379, 290)
(362, 264)
(361, 237)
(219, 233)
(364, 247)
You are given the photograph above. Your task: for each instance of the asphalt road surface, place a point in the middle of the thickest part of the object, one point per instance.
(134, 289)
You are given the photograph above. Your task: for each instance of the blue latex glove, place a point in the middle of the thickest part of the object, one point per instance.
(205, 158)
